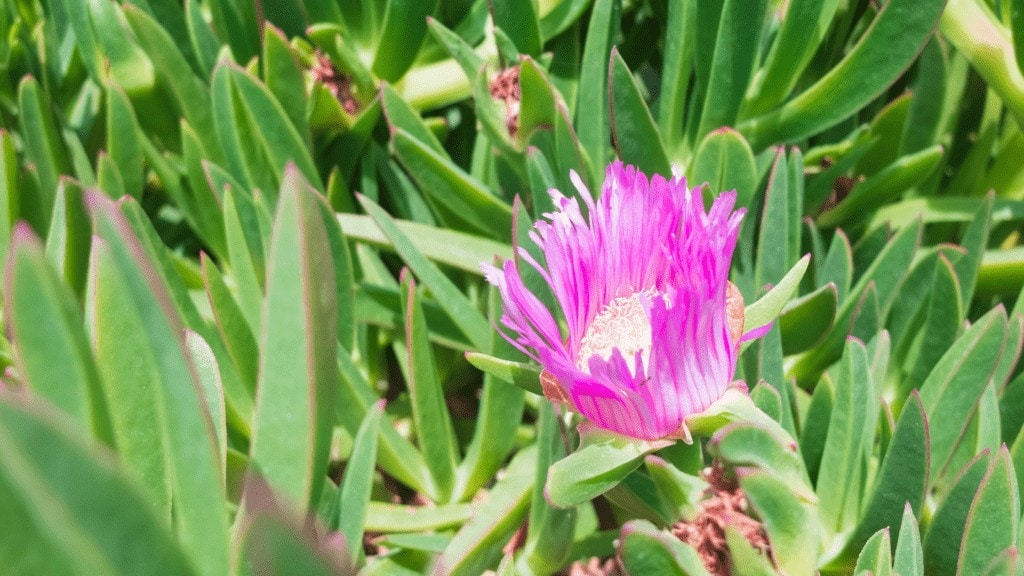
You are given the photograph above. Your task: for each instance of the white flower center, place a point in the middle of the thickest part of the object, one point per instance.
(622, 324)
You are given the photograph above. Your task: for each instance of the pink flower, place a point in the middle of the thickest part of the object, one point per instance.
(652, 324)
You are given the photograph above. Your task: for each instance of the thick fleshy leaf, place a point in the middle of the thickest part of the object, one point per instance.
(886, 49)
(51, 349)
(478, 544)
(945, 532)
(185, 425)
(876, 557)
(602, 461)
(462, 312)
(83, 509)
(953, 388)
(805, 321)
(993, 518)
(298, 371)
(354, 492)
(909, 559)
(636, 137)
(430, 414)
(592, 120)
(646, 550)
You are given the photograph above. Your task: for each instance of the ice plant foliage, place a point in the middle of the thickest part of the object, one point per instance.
(653, 324)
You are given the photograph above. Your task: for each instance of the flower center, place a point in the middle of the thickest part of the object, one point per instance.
(622, 324)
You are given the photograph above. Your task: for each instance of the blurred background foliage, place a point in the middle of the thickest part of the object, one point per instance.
(242, 242)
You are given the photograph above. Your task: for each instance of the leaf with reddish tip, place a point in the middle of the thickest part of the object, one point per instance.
(298, 366)
(993, 518)
(946, 529)
(909, 560)
(51, 350)
(184, 423)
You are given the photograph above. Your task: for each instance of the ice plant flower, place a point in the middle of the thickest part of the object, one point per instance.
(653, 323)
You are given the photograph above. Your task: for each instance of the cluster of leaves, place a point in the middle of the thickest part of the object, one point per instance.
(242, 244)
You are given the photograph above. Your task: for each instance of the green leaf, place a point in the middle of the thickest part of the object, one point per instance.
(284, 79)
(459, 199)
(678, 56)
(592, 99)
(231, 323)
(805, 321)
(680, 491)
(451, 299)
(274, 545)
(386, 517)
(602, 461)
(634, 133)
(470, 62)
(1017, 31)
(946, 529)
(67, 243)
(478, 544)
(189, 95)
(51, 349)
(746, 560)
(123, 141)
(876, 557)
(975, 240)
(943, 316)
(43, 148)
(646, 550)
(246, 256)
(280, 140)
(841, 460)
(395, 454)
(545, 550)
(788, 520)
(205, 363)
(886, 272)
(184, 423)
(884, 187)
(501, 412)
(886, 49)
(902, 479)
(767, 308)
(737, 25)
(356, 485)
(909, 560)
(525, 376)
(402, 116)
(298, 374)
(430, 414)
(725, 162)
(953, 388)
(405, 25)
(82, 508)
(460, 250)
(745, 444)
(518, 19)
(801, 32)
(10, 192)
(993, 517)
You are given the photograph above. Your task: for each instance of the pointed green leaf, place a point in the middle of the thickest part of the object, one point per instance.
(185, 424)
(993, 518)
(298, 371)
(634, 133)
